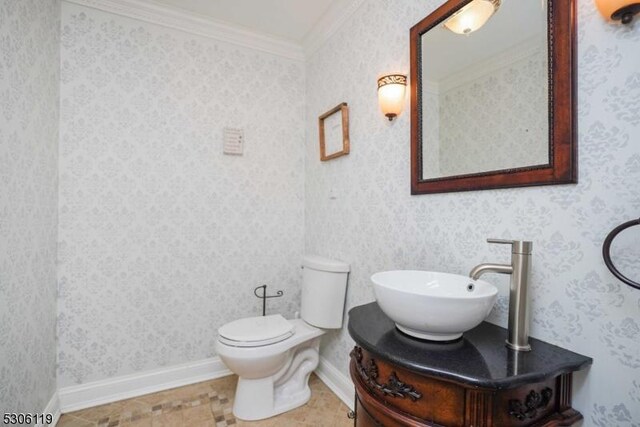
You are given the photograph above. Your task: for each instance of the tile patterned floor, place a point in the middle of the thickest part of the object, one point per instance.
(207, 404)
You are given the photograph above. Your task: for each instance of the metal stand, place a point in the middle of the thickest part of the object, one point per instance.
(264, 297)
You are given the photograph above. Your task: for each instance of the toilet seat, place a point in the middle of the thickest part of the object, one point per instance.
(256, 331)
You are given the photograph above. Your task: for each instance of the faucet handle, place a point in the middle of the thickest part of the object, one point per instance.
(517, 246)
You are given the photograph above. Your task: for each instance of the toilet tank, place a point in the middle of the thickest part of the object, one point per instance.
(324, 288)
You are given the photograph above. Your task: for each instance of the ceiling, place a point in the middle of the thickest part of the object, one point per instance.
(288, 19)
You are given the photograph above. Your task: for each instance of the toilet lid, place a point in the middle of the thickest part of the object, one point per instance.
(257, 330)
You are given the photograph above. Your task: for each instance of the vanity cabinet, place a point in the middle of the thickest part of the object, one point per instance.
(475, 381)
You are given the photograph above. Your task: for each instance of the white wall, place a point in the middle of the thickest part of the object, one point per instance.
(162, 238)
(29, 81)
(359, 207)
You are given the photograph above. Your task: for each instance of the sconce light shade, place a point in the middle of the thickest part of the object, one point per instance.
(618, 10)
(391, 94)
(473, 16)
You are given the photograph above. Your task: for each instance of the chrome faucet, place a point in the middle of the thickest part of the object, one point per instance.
(518, 335)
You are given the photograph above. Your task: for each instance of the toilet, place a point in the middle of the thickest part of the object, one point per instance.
(274, 357)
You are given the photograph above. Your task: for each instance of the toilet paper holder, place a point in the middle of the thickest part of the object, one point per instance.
(264, 297)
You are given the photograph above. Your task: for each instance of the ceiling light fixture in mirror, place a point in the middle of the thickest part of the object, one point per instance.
(473, 16)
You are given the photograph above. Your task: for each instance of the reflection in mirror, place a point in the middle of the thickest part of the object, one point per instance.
(485, 91)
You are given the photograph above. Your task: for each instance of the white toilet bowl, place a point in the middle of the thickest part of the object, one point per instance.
(273, 376)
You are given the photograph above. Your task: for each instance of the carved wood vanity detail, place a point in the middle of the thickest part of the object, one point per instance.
(401, 381)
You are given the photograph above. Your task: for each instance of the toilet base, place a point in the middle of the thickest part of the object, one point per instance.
(257, 399)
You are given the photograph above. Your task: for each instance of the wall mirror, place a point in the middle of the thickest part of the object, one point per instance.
(493, 96)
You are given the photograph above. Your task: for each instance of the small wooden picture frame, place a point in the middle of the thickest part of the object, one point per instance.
(334, 132)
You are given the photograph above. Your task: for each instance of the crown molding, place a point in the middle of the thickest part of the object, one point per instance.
(329, 24)
(197, 24)
(335, 17)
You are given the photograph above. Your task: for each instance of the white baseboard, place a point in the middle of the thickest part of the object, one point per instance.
(53, 408)
(74, 398)
(337, 382)
(96, 393)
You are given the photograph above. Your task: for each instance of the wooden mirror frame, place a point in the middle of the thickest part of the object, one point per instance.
(563, 154)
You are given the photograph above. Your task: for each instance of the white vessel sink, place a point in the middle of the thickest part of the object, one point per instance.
(433, 306)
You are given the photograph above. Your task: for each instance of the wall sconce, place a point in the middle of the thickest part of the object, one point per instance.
(473, 16)
(618, 10)
(391, 94)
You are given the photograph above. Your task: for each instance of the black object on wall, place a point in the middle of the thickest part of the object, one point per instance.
(606, 252)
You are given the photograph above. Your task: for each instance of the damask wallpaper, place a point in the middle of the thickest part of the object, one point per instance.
(359, 208)
(29, 82)
(162, 238)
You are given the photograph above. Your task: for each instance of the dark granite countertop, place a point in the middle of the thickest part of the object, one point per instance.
(480, 358)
